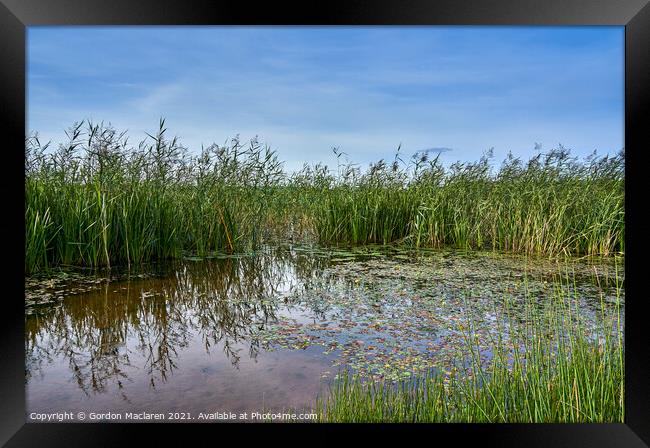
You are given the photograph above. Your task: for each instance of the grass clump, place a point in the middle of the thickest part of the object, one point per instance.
(96, 201)
(555, 368)
(554, 204)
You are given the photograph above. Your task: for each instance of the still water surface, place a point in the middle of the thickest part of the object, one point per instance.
(270, 331)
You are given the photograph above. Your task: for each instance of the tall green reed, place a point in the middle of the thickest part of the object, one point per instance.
(554, 204)
(553, 368)
(96, 201)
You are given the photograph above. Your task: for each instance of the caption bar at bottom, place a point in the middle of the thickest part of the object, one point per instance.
(167, 416)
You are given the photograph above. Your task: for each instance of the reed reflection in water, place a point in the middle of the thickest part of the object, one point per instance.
(268, 331)
(184, 340)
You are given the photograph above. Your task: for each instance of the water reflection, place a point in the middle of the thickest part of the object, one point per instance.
(223, 303)
(266, 330)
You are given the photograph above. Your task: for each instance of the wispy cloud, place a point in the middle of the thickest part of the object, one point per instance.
(304, 90)
(437, 149)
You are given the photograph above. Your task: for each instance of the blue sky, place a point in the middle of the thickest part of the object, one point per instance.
(366, 90)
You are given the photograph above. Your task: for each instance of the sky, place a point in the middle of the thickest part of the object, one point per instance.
(457, 90)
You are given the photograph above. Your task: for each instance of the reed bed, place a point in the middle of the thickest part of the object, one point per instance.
(553, 204)
(555, 370)
(98, 201)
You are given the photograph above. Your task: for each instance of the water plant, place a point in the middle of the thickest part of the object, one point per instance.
(553, 369)
(554, 204)
(96, 201)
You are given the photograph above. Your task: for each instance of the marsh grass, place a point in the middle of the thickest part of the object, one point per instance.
(554, 368)
(97, 201)
(554, 204)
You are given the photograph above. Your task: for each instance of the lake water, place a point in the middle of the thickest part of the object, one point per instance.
(271, 330)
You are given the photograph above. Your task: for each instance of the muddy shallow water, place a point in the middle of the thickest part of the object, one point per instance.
(270, 331)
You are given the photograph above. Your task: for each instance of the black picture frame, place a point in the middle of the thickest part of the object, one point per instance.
(16, 15)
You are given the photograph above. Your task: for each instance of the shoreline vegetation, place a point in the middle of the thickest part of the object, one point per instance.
(553, 370)
(98, 201)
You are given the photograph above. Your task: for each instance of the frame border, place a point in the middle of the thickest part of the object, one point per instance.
(17, 15)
